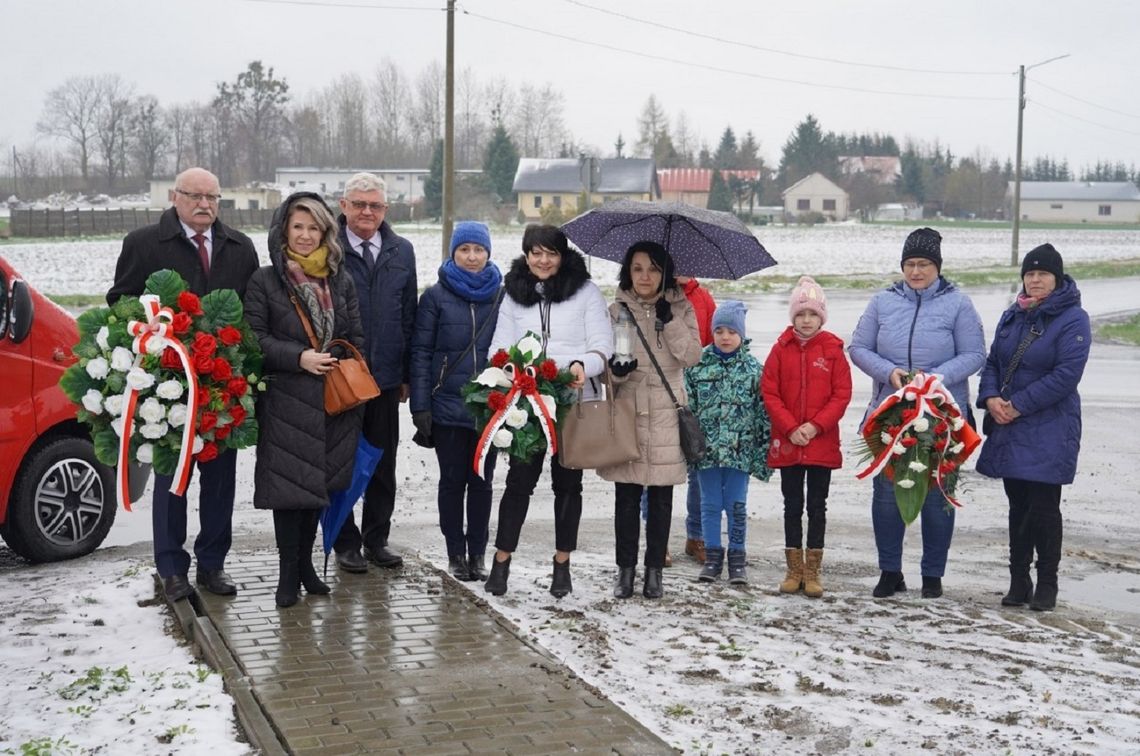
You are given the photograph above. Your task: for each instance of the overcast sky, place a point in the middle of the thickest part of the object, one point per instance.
(944, 71)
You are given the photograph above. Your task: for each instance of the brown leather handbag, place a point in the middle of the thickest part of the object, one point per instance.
(599, 433)
(350, 383)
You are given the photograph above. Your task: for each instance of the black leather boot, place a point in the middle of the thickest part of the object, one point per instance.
(1047, 534)
(308, 573)
(560, 580)
(623, 586)
(714, 564)
(889, 584)
(458, 568)
(496, 584)
(1020, 589)
(652, 588)
(1045, 598)
(931, 587)
(1020, 557)
(737, 567)
(476, 569)
(288, 581)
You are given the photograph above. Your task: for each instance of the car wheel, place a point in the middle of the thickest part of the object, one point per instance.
(63, 503)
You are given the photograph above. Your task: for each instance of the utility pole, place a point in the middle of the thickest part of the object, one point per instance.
(1013, 255)
(449, 133)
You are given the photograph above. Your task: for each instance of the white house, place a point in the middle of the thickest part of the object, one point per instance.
(256, 196)
(1078, 201)
(816, 193)
(403, 184)
(885, 169)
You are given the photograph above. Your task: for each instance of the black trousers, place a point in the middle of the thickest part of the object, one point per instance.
(1035, 523)
(295, 531)
(459, 484)
(792, 487)
(382, 430)
(215, 518)
(627, 523)
(522, 476)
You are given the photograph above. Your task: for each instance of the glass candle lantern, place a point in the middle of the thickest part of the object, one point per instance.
(623, 337)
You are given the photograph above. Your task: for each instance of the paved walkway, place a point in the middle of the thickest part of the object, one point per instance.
(395, 661)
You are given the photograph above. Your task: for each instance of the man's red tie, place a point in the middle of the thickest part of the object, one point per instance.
(203, 253)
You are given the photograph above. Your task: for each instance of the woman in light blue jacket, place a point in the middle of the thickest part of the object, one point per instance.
(925, 323)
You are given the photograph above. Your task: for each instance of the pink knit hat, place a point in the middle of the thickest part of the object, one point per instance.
(808, 296)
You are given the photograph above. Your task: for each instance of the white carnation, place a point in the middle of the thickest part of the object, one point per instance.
(957, 423)
(199, 444)
(921, 425)
(139, 379)
(169, 390)
(516, 417)
(93, 402)
(101, 338)
(551, 405)
(503, 438)
(917, 466)
(121, 359)
(114, 404)
(145, 453)
(898, 450)
(98, 368)
(155, 344)
(529, 344)
(152, 410)
(176, 416)
(885, 437)
(957, 448)
(905, 483)
(154, 430)
(117, 426)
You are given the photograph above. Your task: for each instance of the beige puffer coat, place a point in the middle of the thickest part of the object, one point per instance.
(677, 347)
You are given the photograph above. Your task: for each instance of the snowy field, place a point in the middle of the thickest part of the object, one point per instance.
(712, 669)
(88, 267)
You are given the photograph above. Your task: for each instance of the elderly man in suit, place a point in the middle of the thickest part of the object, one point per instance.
(209, 255)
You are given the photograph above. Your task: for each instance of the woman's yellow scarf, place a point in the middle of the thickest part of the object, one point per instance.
(316, 264)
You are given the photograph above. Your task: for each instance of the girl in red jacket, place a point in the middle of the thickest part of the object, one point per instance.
(806, 386)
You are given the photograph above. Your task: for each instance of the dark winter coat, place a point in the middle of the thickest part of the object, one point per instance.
(164, 245)
(302, 453)
(387, 296)
(1043, 443)
(806, 383)
(446, 322)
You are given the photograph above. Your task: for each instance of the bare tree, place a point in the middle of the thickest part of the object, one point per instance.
(684, 140)
(178, 125)
(256, 103)
(346, 103)
(306, 132)
(390, 107)
(470, 123)
(112, 121)
(538, 120)
(70, 113)
(150, 137)
(427, 113)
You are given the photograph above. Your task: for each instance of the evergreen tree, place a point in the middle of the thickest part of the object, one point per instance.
(500, 163)
(720, 197)
(748, 156)
(619, 145)
(808, 151)
(910, 181)
(726, 153)
(433, 187)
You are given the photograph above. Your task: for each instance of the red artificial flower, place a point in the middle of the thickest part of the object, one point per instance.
(909, 441)
(189, 303)
(947, 467)
(237, 386)
(238, 414)
(209, 452)
(203, 396)
(222, 432)
(500, 358)
(204, 345)
(229, 335)
(940, 444)
(941, 428)
(909, 414)
(526, 384)
(222, 370)
(496, 400)
(170, 359)
(548, 370)
(893, 429)
(207, 422)
(889, 473)
(226, 398)
(181, 323)
(203, 364)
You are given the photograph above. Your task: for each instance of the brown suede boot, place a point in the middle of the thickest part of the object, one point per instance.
(794, 577)
(812, 562)
(695, 548)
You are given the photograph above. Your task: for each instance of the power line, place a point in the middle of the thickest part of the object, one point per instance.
(1040, 104)
(717, 69)
(774, 51)
(1085, 102)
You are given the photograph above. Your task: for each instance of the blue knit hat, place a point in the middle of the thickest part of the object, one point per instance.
(730, 314)
(471, 232)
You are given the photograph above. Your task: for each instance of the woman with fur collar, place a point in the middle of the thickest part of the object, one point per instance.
(549, 293)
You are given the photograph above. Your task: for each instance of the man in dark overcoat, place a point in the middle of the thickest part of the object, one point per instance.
(209, 255)
(383, 267)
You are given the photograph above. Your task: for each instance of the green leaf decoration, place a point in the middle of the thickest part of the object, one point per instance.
(247, 403)
(106, 446)
(244, 435)
(126, 309)
(87, 350)
(910, 500)
(92, 320)
(167, 285)
(164, 459)
(220, 308)
(75, 383)
(116, 382)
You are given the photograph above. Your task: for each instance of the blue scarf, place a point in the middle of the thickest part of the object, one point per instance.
(474, 287)
(724, 355)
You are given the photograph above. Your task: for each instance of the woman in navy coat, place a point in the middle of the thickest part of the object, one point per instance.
(1033, 429)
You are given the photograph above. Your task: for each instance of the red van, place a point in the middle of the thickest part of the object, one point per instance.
(56, 500)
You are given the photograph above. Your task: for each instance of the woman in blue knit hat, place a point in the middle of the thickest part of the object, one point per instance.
(454, 324)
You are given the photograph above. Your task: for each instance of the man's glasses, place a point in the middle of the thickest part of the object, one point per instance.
(375, 207)
(198, 196)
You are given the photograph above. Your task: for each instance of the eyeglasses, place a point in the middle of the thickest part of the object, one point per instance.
(917, 265)
(198, 196)
(376, 207)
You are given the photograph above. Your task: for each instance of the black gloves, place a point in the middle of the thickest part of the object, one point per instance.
(422, 421)
(622, 368)
(664, 310)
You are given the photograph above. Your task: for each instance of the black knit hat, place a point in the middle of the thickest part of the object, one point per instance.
(925, 243)
(1044, 258)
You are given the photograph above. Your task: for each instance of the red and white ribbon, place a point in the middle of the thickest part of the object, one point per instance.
(157, 326)
(517, 392)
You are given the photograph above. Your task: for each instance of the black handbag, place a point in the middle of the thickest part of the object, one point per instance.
(694, 446)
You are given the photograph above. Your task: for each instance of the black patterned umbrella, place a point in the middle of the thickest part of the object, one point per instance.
(704, 243)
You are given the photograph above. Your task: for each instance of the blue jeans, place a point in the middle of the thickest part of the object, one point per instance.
(937, 529)
(692, 506)
(724, 489)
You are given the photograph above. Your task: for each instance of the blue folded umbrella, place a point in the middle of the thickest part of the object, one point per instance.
(342, 502)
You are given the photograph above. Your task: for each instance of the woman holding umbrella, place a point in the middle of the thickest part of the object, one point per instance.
(648, 290)
(302, 452)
